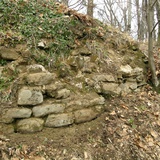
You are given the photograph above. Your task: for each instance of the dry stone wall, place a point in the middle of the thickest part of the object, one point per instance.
(76, 93)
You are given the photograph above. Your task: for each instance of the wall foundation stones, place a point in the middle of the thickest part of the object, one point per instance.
(13, 113)
(59, 120)
(45, 109)
(84, 115)
(30, 125)
(29, 97)
(65, 96)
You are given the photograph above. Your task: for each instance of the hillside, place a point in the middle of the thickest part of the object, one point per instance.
(72, 88)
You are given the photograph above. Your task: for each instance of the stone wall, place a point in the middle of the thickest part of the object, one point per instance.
(74, 93)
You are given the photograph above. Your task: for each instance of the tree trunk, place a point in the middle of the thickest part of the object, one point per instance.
(125, 19)
(90, 7)
(138, 18)
(158, 18)
(153, 22)
(150, 45)
(129, 5)
(143, 29)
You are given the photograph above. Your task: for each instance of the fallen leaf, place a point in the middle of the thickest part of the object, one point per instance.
(141, 145)
(41, 15)
(158, 122)
(154, 134)
(107, 118)
(40, 28)
(41, 44)
(113, 113)
(123, 106)
(149, 140)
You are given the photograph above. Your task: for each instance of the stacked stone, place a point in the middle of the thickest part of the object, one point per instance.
(127, 81)
(45, 99)
(34, 111)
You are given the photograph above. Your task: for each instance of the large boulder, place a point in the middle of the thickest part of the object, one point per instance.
(30, 125)
(45, 109)
(59, 120)
(29, 97)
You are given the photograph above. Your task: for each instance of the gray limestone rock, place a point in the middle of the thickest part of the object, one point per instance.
(97, 101)
(84, 115)
(128, 87)
(51, 89)
(16, 113)
(63, 93)
(40, 78)
(131, 85)
(103, 78)
(111, 88)
(140, 78)
(84, 101)
(45, 109)
(36, 68)
(29, 97)
(30, 125)
(137, 71)
(59, 120)
(8, 54)
(126, 70)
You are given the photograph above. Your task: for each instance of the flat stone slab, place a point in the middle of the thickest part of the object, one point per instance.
(45, 109)
(30, 125)
(59, 120)
(40, 78)
(111, 89)
(13, 113)
(29, 97)
(103, 78)
(84, 101)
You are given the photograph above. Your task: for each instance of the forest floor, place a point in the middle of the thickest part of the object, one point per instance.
(128, 129)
